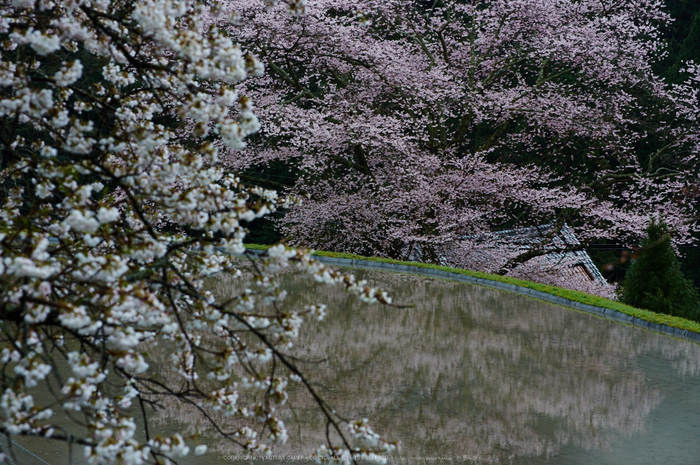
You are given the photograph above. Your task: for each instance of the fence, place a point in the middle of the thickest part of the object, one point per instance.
(18, 455)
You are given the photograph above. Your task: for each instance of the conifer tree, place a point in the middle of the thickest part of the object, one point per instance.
(655, 280)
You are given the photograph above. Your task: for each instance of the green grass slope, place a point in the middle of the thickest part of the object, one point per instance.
(576, 296)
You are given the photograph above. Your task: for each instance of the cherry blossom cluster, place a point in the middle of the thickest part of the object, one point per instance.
(415, 126)
(114, 208)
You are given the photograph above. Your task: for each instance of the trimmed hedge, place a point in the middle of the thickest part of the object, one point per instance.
(576, 296)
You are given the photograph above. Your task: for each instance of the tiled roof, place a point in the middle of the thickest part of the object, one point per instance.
(522, 239)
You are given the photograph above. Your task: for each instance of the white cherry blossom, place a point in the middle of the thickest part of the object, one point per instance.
(114, 210)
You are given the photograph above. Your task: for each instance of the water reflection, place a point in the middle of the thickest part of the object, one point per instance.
(475, 374)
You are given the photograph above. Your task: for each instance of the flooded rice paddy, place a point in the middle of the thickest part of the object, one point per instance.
(470, 375)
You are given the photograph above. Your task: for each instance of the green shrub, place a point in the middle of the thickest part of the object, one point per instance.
(655, 280)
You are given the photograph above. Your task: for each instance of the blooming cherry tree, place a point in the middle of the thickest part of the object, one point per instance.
(415, 125)
(113, 210)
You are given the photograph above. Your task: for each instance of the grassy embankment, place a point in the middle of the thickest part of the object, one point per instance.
(576, 296)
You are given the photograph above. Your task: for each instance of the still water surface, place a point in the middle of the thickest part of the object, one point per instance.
(471, 375)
